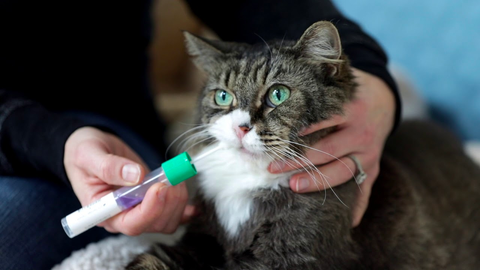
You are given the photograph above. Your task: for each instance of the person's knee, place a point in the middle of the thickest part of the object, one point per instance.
(31, 233)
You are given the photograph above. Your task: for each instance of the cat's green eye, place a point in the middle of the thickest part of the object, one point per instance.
(223, 98)
(276, 95)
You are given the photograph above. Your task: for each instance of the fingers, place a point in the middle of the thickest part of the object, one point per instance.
(96, 162)
(336, 173)
(330, 175)
(334, 121)
(176, 215)
(189, 212)
(112, 169)
(337, 144)
(160, 211)
(280, 166)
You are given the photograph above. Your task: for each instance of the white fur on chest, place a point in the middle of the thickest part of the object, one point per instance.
(229, 178)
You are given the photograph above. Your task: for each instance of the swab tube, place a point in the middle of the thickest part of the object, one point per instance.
(172, 172)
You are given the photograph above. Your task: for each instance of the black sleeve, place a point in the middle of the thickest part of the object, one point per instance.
(247, 21)
(32, 139)
(59, 57)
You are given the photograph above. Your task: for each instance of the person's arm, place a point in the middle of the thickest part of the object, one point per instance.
(32, 139)
(99, 66)
(39, 143)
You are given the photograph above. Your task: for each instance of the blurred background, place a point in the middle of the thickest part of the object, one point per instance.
(437, 45)
(433, 47)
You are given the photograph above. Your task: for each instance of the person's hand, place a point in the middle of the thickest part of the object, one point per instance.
(97, 163)
(361, 132)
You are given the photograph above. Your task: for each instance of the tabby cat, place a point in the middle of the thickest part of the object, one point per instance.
(424, 210)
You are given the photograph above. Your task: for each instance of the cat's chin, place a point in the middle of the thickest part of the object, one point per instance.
(257, 159)
(245, 151)
(249, 155)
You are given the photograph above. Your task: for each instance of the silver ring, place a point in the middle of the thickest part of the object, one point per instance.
(361, 176)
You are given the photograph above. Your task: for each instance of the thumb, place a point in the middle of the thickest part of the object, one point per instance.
(120, 171)
(113, 169)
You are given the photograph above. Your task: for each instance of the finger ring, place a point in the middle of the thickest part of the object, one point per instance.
(361, 176)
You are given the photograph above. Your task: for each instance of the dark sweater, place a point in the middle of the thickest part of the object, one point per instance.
(61, 56)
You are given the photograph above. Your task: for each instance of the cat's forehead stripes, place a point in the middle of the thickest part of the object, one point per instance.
(242, 75)
(259, 71)
(248, 76)
(230, 77)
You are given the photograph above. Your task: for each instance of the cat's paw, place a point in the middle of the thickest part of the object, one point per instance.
(147, 262)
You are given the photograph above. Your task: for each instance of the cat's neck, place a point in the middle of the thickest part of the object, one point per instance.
(230, 178)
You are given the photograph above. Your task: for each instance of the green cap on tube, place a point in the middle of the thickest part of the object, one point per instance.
(179, 169)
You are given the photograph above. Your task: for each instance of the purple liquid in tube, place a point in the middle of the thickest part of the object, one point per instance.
(127, 197)
(127, 202)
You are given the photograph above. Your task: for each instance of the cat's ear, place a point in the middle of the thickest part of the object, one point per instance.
(204, 52)
(320, 43)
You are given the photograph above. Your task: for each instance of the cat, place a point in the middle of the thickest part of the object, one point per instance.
(424, 210)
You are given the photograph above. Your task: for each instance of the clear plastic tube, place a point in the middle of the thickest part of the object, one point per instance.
(178, 169)
(127, 197)
(110, 205)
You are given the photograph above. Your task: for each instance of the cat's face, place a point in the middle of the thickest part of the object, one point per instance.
(257, 98)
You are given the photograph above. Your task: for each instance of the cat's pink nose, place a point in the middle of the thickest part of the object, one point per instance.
(242, 130)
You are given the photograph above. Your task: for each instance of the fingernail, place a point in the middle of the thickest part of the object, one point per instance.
(131, 173)
(302, 130)
(162, 193)
(277, 166)
(302, 184)
(189, 211)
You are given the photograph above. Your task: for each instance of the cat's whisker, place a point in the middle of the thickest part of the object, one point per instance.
(323, 176)
(183, 134)
(304, 163)
(280, 47)
(192, 139)
(311, 165)
(307, 162)
(288, 162)
(268, 46)
(211, 143)
(198, 135)
(194, 136)
(271, 158)
(193, 124)
(277, 152)
(310, 174)
(323, 152)
(197, 143)
(292, 165)
(206, 135)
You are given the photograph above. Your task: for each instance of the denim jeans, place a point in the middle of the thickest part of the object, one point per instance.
(31, 235)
